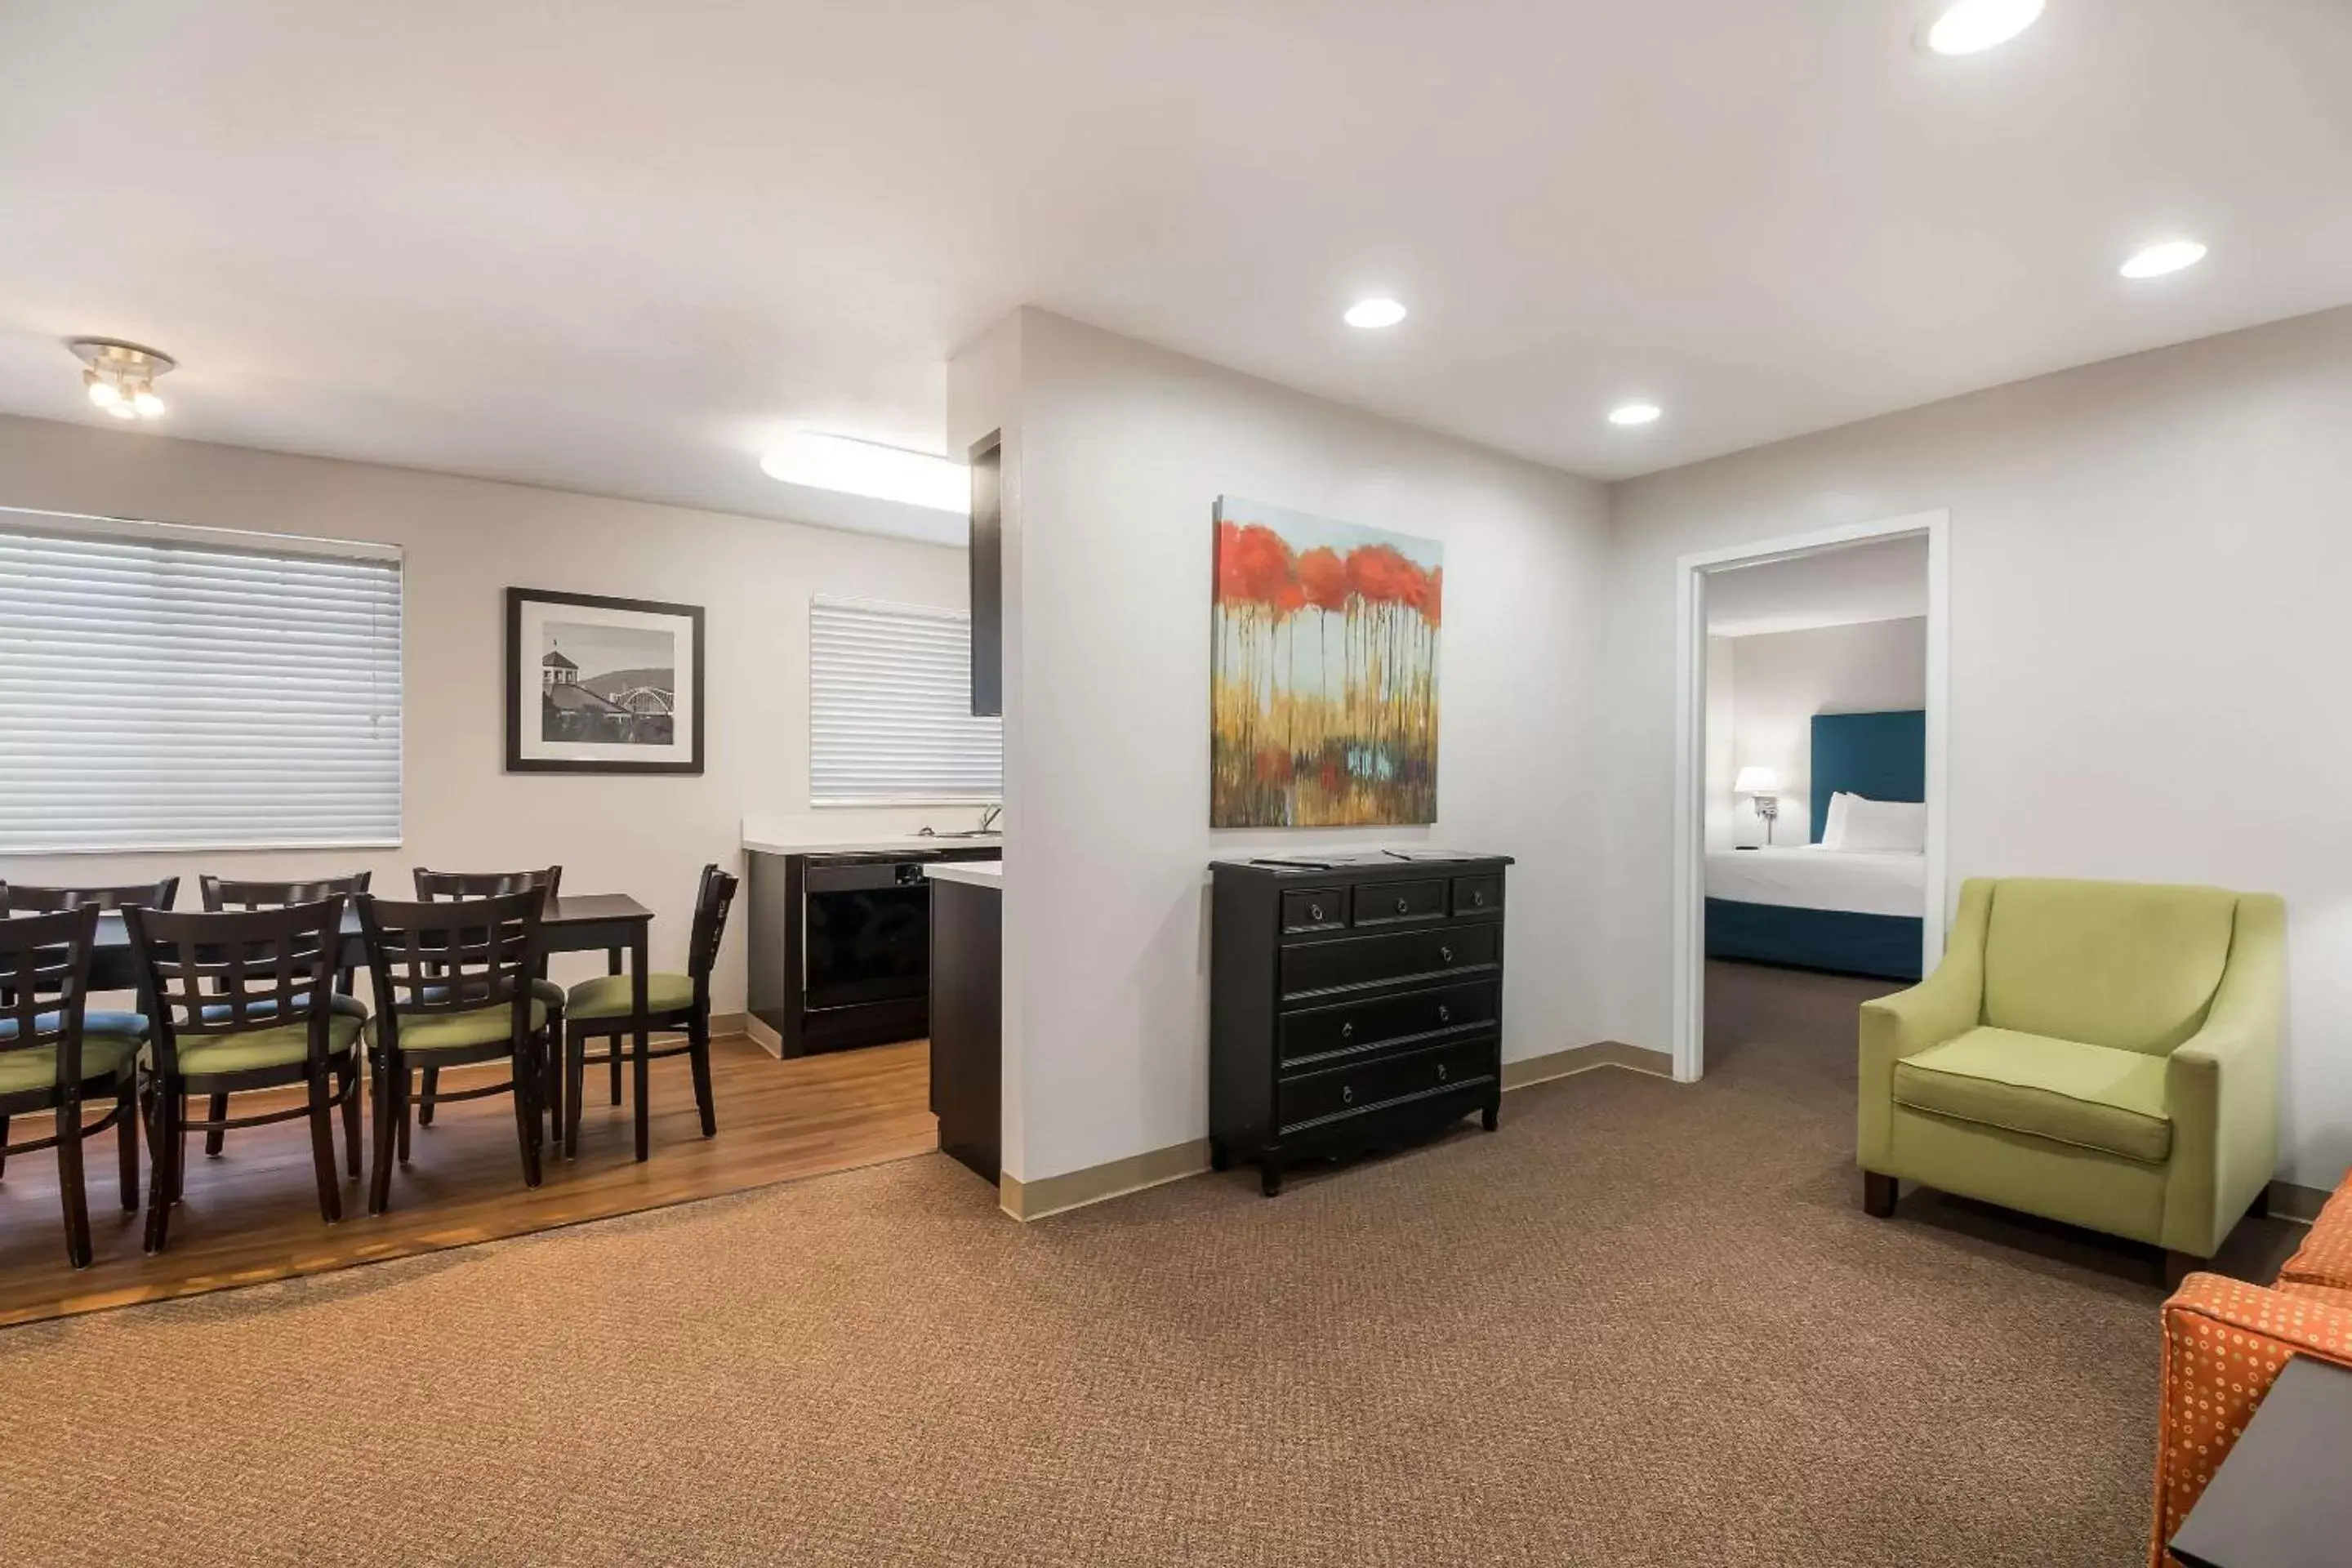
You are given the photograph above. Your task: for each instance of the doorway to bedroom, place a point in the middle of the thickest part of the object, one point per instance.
(1813, 794)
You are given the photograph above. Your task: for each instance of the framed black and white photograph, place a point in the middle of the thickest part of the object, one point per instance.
(603, 686)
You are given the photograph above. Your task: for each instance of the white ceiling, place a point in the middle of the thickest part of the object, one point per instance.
(616, 247)
(1884, 580)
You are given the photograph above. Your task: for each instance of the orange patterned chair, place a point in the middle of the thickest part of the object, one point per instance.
(2224, 1342)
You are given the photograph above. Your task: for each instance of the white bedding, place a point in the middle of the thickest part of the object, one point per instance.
(1869, 882)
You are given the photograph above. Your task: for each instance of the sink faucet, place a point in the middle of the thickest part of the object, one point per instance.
(988, 818)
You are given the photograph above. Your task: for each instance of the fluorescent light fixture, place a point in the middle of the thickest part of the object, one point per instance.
(1372, 313)
(2168, 256)
(1972, 26)
(869, 469)
(1635, 414)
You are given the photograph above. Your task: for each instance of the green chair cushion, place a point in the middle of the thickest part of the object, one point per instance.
(348, 1006)
(607, 995)
(36, 1067)
(2129, 964)
(2094, 1097)
(421, 1032)
(97, 1021)
(287, 1044)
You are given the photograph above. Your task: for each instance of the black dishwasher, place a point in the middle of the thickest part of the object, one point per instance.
(868, 931)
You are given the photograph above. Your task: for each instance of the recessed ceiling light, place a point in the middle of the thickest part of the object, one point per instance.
(2168, 256)
(1371, 313)
(1971, 26)
(1635, 414)
(869, 469)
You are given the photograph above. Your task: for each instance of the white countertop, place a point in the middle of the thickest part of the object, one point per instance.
(979, 873)
(797, 846)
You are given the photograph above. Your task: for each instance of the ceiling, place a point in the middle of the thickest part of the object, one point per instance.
(1883, 579)
(617, 247)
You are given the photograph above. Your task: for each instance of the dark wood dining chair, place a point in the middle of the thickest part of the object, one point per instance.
(604, 1008)
(433, 887)
(16, 898)
(228, 894)
(243, 1001)
(56, 1055)
(453, 985)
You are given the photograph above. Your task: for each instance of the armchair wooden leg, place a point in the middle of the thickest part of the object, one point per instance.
(698, 1055)
(70, 1186)
(387, 1123)
(1878, 1194)
(347, 1084)
(526, 1105)
(126, 1141)
(2178, 1266)
(575, 1077)
(407, 1112)
(215, 1109)
(162, 1136)
(323, 1145)
(425, 1104)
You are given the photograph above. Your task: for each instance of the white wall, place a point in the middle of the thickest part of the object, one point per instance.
(1782, 679)
(1723, 827)
(2148, 564)
(1124, 449)
(465, 542)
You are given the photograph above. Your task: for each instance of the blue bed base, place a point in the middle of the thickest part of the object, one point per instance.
(1838, 940)
(1883, 757)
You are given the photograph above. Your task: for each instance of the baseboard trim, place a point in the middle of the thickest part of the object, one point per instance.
(766, 1039)
(1075, 1189)
(2301, 1204)
(1530, 1070)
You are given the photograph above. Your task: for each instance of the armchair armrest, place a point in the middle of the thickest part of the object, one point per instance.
(2220, 1089)
(1946, 1004)
(2224, 1343)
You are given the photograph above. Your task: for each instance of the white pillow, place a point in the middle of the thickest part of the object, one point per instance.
(1833, 828)
(1896, 825)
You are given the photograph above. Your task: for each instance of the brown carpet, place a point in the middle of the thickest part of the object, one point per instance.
(1645, 1323)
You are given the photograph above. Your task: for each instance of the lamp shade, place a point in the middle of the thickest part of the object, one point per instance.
(1756, 780)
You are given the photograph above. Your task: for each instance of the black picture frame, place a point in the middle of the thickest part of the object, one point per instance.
(520, 699)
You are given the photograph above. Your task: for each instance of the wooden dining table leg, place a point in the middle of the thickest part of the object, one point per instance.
(641, 1036)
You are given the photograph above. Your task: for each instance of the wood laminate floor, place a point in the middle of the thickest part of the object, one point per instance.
(252, 1213)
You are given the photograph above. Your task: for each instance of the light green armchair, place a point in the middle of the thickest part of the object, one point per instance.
(2100, 1053)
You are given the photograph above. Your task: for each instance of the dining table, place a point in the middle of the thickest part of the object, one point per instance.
(613, 923)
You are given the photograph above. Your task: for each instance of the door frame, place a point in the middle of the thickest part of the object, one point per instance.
(1690, 747)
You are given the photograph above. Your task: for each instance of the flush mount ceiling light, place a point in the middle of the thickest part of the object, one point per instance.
(120, 377)
(2165, 256)
(869, 469)
(1374, 313)
(1635, 414)
(1972, 26)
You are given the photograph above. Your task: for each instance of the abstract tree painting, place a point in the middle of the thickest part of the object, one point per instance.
(1324, 678)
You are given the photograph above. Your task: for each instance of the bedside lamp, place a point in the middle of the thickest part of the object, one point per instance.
(1765, 785)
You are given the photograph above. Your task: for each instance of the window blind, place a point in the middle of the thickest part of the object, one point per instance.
(890, 709)
(166, 689)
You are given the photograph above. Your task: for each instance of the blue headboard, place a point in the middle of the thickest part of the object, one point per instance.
(1880, 755)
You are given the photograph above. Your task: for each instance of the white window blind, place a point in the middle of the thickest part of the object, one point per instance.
(184, 689)
(890, 709)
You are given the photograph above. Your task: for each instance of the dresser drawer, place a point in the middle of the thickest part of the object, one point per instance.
(1314, 1098)
(1376, 959)
(1478, 895)
(1355, 1026)
(1391, 903)
(1314, 909)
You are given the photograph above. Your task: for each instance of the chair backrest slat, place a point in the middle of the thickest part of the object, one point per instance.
(713, 897)
(224, 893)
(18, 897)
(436, 886)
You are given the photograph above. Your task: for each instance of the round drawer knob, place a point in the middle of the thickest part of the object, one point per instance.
(1441, 1073)
(1347, 1094)
(1446, 954)
(1347, 1031)
(1476, 898)
(1402, 906)
(1445, 1015)
(1314, 911)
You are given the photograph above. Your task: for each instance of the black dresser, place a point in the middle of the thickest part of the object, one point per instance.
(1356, 1002)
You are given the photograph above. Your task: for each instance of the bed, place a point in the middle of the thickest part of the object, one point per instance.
(1846, 911)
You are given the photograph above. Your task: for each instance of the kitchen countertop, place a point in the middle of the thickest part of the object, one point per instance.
(760, 845)
(979, 873)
